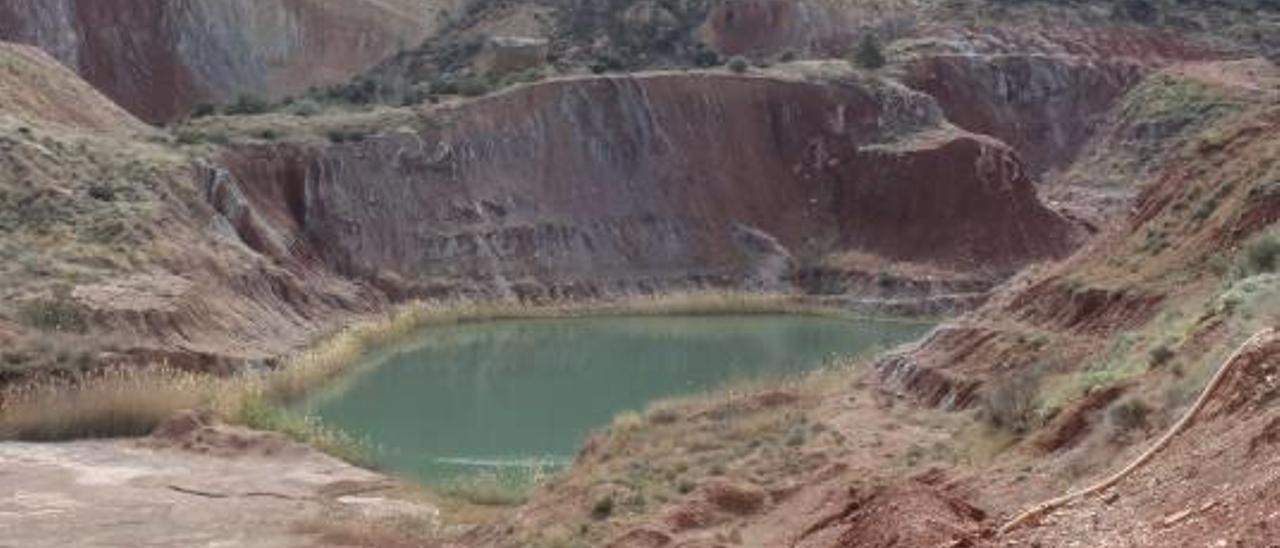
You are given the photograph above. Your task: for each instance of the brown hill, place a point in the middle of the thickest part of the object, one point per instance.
(158, 58)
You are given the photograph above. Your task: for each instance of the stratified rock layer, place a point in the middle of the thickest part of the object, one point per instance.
(598, 185)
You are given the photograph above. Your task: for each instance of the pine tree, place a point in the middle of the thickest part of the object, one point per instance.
(868, 55)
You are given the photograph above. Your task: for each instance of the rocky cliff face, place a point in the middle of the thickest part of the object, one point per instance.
(158, 58)
(598, 185)
(1046, 107)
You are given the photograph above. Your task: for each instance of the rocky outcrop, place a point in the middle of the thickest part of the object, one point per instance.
(214, 483)
(595, 186)
(158, 58)
(1044, 106)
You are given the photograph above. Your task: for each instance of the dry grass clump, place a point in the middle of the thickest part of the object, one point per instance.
(117, 403)
(132, 402)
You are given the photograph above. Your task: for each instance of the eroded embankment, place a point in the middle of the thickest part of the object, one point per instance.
(1194, 147)
(593, 186)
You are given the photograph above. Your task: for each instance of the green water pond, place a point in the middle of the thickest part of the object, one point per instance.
(477, 398)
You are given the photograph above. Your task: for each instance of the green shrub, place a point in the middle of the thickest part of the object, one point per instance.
(739, 64)
(1160, 355)
(1138, 11)
(868, 54)
(203, 109)
(346, 136)
(607, 62)
(304, 107)
(102, 192)
(603, 508)
(416, 96)
(705, 57)
(1262, 255)
(473, 86)
(248, 104)
(1127, 416)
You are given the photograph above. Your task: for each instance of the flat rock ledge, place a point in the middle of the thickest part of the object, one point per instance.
(202, 485)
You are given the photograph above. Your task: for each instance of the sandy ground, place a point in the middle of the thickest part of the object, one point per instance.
(121, 494)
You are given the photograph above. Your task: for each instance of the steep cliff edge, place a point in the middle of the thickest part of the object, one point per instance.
(159, 58)
(594, 186)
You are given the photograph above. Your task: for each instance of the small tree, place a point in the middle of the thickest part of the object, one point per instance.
(868, 55)
(739, 64)
(1262, 255)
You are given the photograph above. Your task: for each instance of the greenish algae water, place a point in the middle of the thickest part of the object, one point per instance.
(523, 394)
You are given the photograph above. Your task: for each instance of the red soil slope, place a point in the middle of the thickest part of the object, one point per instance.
(590, 186)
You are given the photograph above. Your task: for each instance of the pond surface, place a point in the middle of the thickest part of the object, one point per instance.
(478, 398)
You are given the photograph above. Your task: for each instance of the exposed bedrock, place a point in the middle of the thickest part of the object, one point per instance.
(1044, 106)
(591, 186)
(158, 58)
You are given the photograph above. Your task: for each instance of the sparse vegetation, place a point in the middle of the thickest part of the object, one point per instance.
(56, 311)
(504, 486)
